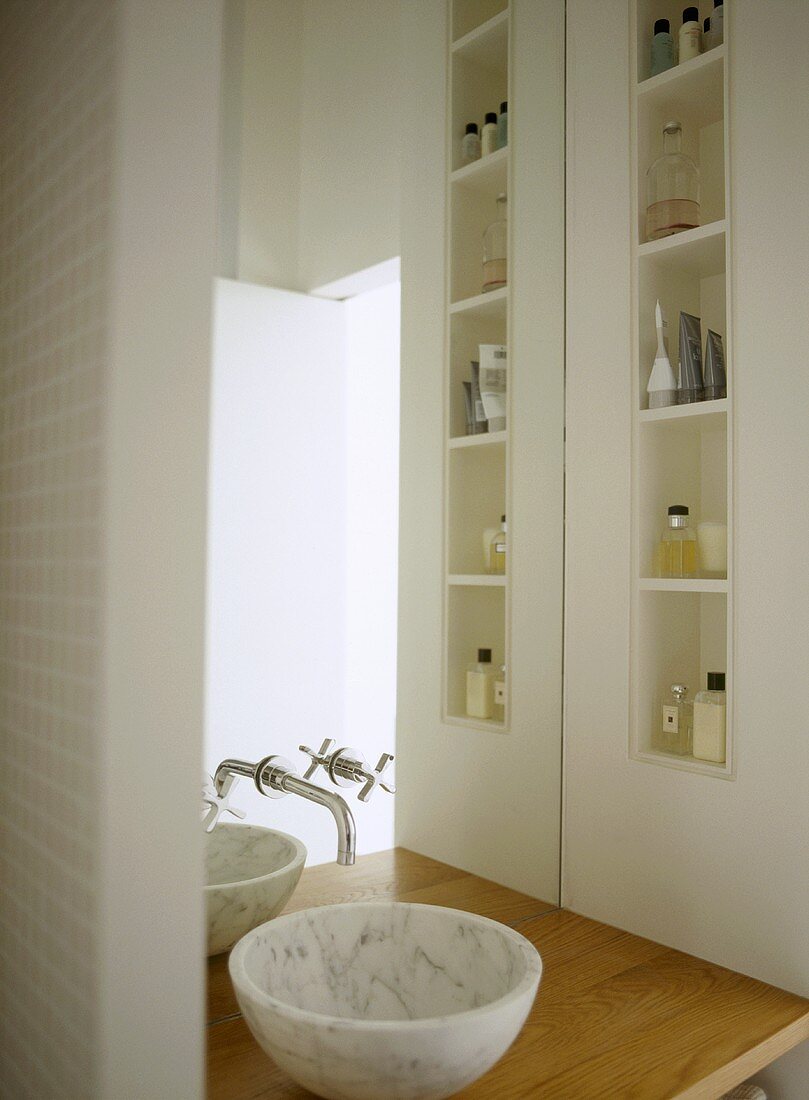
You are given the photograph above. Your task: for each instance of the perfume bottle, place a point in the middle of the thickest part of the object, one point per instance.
(495, 250)
(672, 188)
(677, 552)
(480, 686)
(497, 549)
(709, 720)
(674, 733)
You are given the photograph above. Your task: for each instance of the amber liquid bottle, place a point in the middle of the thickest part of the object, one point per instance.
(677, 552)
(672, 189)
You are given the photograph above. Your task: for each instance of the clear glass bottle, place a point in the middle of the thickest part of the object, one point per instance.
(497, 549)
(672, 188)
(709, 720)
(495, 250)
(480, 686)
(677, 552)
(674, 733)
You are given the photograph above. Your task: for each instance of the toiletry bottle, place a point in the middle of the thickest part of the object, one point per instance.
(470, 145)
(497, 549)
(690, 386)
(718, 24)
(500, 687)
(480, 686)
(690, 37)
(672, 188)
(662, 48)
(502, 126)
(495, 250)
(677, 552)
(709, 720)
(488, 137)
(674, 734)
(708, 35)
(662, 385)
(488, 534)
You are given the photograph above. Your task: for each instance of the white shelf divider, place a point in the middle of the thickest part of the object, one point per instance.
(484, 40)
(485, 439)
(676, 584)
(494, 301)
(477, 580)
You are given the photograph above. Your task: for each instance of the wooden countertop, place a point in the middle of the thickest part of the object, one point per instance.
(616, 1016)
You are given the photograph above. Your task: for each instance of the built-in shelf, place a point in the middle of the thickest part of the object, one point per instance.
(685, 763)
(675, 584)
(693, 89)
(701, 415)
(492, 304)
(477, 580)
(487, 174)
(475, 723)
(485, 439)
(486, 44)
(699, 252)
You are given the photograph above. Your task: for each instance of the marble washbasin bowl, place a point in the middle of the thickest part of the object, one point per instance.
(252, 873)
(384, 1000)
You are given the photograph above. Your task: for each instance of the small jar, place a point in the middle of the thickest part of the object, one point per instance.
(497, 550)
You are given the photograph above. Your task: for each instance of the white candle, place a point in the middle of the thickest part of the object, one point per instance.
(713, 548)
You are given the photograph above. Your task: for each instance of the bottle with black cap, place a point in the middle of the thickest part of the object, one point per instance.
(502, 126)
(710, 709)
(690, 37)
(677, 552)
(470, 144)
(480, 677)
(488, 136)
(662, 48)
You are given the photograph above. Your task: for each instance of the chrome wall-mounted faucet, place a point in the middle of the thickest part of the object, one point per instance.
(275, 776)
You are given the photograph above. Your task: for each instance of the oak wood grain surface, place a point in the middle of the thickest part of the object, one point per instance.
(617, 1016)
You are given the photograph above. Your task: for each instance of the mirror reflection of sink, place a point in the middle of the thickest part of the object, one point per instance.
(381, 999)
(252, 873)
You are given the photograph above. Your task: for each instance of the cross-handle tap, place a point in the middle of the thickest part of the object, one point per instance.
(346, 766)
(217, 802)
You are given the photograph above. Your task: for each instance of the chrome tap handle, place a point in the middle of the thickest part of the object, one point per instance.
(215, 803)
(320, 759)
(374, 778)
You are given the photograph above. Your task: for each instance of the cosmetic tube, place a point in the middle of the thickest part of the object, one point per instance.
(690, 387)
(714, 378)
(481, 423)
(493, 373)
(468, 408)
(662, 385)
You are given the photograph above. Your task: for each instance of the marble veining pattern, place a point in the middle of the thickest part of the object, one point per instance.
(252, 873)
(385, 1000)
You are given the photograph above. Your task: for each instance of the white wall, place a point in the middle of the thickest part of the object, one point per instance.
(372, 537)
(714, 868)
(312, 144)
(150, 964)
(290, 497)
(108, 224)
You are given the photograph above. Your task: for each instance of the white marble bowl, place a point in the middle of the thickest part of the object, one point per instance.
(252, 873)
(384, 1000)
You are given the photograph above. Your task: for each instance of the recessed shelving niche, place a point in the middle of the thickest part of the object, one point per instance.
(477, 466)
(682, 628)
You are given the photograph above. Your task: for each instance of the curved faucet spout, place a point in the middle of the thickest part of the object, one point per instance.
(343, 818)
